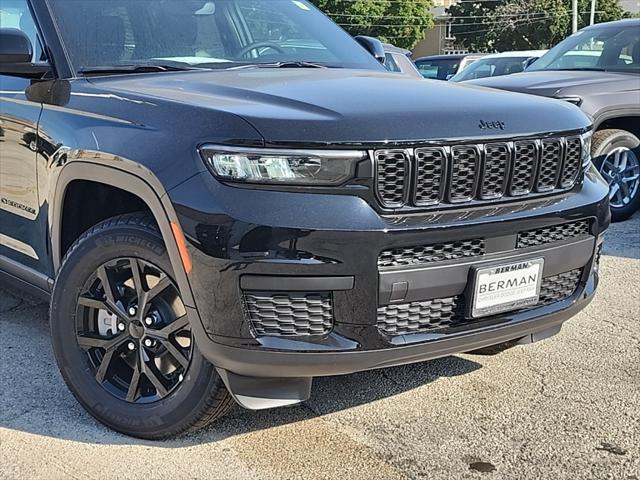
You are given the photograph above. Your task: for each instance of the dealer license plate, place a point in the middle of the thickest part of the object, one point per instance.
(506, 287)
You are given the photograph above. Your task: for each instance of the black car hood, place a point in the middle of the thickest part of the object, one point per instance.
(339, 106)
(558, 83)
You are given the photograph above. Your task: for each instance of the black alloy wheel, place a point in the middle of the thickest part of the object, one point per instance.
(122, 338)
(132, 324)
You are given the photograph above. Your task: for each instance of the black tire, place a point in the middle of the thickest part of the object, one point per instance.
(197, 399)
(605, 144)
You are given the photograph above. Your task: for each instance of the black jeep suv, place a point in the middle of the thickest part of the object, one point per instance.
(224, 199)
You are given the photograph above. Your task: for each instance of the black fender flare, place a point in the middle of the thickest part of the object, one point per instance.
(126, 175)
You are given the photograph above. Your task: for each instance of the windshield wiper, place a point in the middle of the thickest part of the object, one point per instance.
(579, 69)
(292, 64)
(138, 68)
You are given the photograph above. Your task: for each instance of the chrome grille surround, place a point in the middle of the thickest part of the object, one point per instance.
(289, 313)
(483, 172)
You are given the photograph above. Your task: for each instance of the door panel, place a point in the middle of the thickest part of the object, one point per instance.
(22, 238)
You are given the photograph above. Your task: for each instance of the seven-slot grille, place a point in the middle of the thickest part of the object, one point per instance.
(441, 313)
(465, 173)
(289, 314)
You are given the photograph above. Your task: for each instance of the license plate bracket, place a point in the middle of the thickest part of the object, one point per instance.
(506, 287)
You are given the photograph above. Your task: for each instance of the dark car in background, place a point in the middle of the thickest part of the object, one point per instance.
(444, 67)
(498, 64)
(597, 69)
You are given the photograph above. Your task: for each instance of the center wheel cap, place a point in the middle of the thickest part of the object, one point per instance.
(136, 330)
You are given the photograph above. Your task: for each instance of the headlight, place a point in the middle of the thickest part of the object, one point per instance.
(283, 167)
(586, 149)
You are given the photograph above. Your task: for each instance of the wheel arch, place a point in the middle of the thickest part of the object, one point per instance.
(627, 119)
(139, 182)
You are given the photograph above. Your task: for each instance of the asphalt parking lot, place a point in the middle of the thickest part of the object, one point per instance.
(568, 407)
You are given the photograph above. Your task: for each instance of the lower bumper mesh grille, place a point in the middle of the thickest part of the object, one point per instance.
(289, 314)
(408, 256)
(554, 233)
(558, 287)
(441, 313)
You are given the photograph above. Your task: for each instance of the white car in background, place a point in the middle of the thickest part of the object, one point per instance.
(497, 64)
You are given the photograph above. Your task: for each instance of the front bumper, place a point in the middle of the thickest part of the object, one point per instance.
(242, 240)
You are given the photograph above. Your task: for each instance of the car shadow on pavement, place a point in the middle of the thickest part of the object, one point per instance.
(34, 398)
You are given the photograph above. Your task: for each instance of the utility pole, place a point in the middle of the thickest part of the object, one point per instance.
(592, 18)
(574, 23)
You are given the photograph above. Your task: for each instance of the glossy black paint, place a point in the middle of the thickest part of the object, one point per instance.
(141, 133)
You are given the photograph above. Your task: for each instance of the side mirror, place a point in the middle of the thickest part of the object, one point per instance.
(373, 46)
(15, 46)
(529, 61)
(16, 53)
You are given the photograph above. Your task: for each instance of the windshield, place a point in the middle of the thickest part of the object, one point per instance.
(491, 67)
(204, 34)
(614, 49)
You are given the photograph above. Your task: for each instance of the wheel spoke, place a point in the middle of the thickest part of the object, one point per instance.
(160, 287)
(625, 189)
(132, 392)
(136, 271)
(151, 375)
(103, 276)
(615, 188)
(91, 302)
(89, 341)
(104, 365)
(174, 327)
(176, 353)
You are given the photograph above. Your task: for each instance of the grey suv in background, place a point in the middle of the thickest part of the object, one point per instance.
(597, 69)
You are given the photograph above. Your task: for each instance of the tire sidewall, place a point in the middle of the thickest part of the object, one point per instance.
(617, 139)
(157, 418)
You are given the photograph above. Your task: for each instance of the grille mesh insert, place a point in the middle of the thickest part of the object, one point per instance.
(410, 256)
(464, 164)
(554, 233)
(289, 314)
(441, 313)
(494, 178)
(559, 287)
(392, 169)
(549, 165)
(524, 167)
(572, 162)
(430, 174)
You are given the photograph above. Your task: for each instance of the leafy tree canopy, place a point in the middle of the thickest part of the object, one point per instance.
(502, 25)
(400, 22)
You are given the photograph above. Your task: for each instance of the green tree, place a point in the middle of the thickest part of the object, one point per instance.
(522, 24)
(400, 22)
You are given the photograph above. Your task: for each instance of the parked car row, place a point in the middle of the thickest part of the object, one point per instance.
(597, 69)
